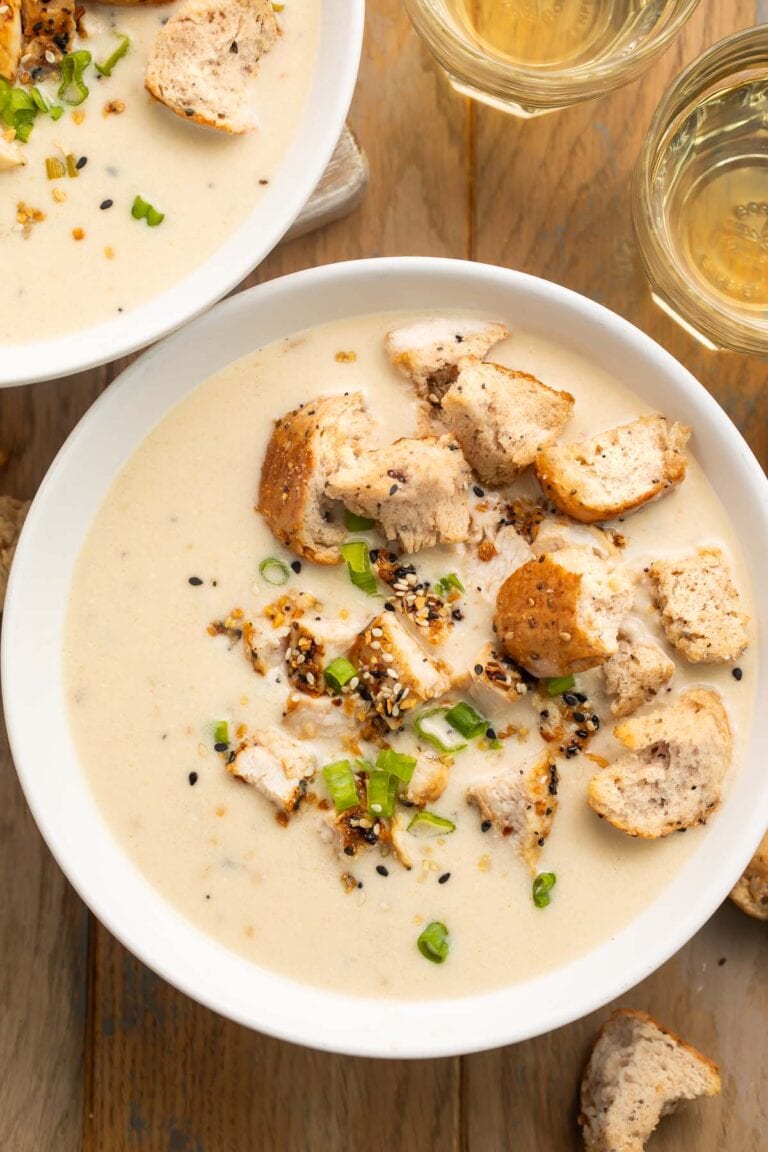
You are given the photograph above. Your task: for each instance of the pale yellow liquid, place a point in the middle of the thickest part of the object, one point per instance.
(712, 186)
(555, 34)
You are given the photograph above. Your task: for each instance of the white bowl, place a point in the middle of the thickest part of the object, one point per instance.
(47, 762)
(338, 58)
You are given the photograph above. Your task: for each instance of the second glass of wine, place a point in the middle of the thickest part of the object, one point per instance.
(528, 57)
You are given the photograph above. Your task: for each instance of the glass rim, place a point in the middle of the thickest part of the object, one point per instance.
(520, 82)
(710, 319)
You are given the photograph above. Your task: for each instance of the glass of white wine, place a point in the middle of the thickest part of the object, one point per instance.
(700, 196)
(533, 56)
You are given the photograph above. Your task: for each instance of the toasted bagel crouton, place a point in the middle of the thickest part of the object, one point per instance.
(203, 61)
(10, 41)
(415, 489)
(428, 351)
(12, 516)
(635, 674)
(615, 472)
(394, 670)
(305, 447)
(560, 613)
(276, 765)
(637, 1073)
(700, 607)
(751, 891)
(671, 776)
(520, 802)
(502, 418)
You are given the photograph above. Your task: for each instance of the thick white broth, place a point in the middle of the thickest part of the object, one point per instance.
(206, 182)
(144, 681)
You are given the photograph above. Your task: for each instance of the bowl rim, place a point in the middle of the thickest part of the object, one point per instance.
(340, 42)
(187, 957)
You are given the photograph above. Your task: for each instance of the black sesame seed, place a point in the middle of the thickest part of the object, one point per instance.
(349, 850)
(230, 758)
(582, 733)
(81, 163)
(389, 607)
(195, 581)
(193, 777)
(737, 673)
(478, 491)
(721, 961)
(296, 566)
(490, 733)
(393, 489)
(382, 871)
(359, 883)
(570, 699)
(582, 699)
(579, 717)
(233, 47)
(485, 826)
(595, 720)
(571, 751)
(106, 204)
(221, 746)
(444, 878)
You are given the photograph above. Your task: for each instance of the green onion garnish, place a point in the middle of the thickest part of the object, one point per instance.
(428, 824)
(433, 942)
(221, 732)
(72, 171)
(340, 780)
(38, 99)
(396, 764)
(55, 111)
(73, 90)
(18, 109)
(106, 68)
(142, 210)
(449, 583)
(466, 720)
(274, 571)
(433, 727)
(364, 766)
(355, 552)
(357, 523)
(559, 684)
(381, 792)
(54, 168)
(542, 886)
(339, 673)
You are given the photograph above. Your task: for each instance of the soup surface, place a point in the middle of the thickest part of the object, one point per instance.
(71, 252)
(177, 545)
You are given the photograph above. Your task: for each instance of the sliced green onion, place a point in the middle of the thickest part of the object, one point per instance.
(274, 571)
(143, 210)
(24, 124)
(18, 109)
(54, 168)
(339, 673)
(396, 764)
(38, 99)
(381, 793)
(559, 684)
(106, 68)
(542, 886)
(340, 780)
(364, 766)
(221, 732)
(73, 90)
(357, 523)
(433, 942)
(466, 720)
(429, 824)
(355, 552)
(72, 171)
(55, 111)
(449, 583)
(433, 727)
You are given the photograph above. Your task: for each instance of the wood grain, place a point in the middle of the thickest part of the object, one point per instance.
(142, 1068)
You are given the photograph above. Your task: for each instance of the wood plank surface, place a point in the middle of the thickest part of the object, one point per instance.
(106, 1057)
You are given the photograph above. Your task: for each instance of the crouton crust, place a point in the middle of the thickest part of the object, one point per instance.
(751, 892)
(12, 515)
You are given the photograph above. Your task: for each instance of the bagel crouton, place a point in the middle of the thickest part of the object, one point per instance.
(751, 891)
(634, 674)
(520, 803)
(276, 765)
(615, 472)
(305, 447)
(637, 1073)
(394, 670)
(700, 607)
(428, 351)
(204, 59)
(560, 613)
(415, 489)
(12, 516)
(502, 418)
(671, 774)
(10, 41)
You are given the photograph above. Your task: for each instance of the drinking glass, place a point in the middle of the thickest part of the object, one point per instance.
(700, 196)
(533, 56)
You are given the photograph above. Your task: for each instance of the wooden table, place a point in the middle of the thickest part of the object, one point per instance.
(98, 1054)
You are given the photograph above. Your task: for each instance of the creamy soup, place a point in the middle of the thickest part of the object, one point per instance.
(177, 545)
(71, 252)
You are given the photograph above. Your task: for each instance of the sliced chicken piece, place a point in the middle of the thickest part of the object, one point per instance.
(556, 532)
(312, 643)
(520, 803)
(496, 557)
(496, 679)
(204, 60)
(427, 608)
(10, 38)
(395, 671)
(428, 351)
(49, 28)
(429, 781)
(277, 765)
(323, 717)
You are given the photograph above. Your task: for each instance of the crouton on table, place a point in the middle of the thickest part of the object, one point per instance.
(12, 516)
(751, 891)
(428, 351)
(700, 607)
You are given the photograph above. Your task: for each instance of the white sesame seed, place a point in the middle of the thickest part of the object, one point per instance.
(376, 632)
(392, 672)
(50, 57)
(387, 657)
